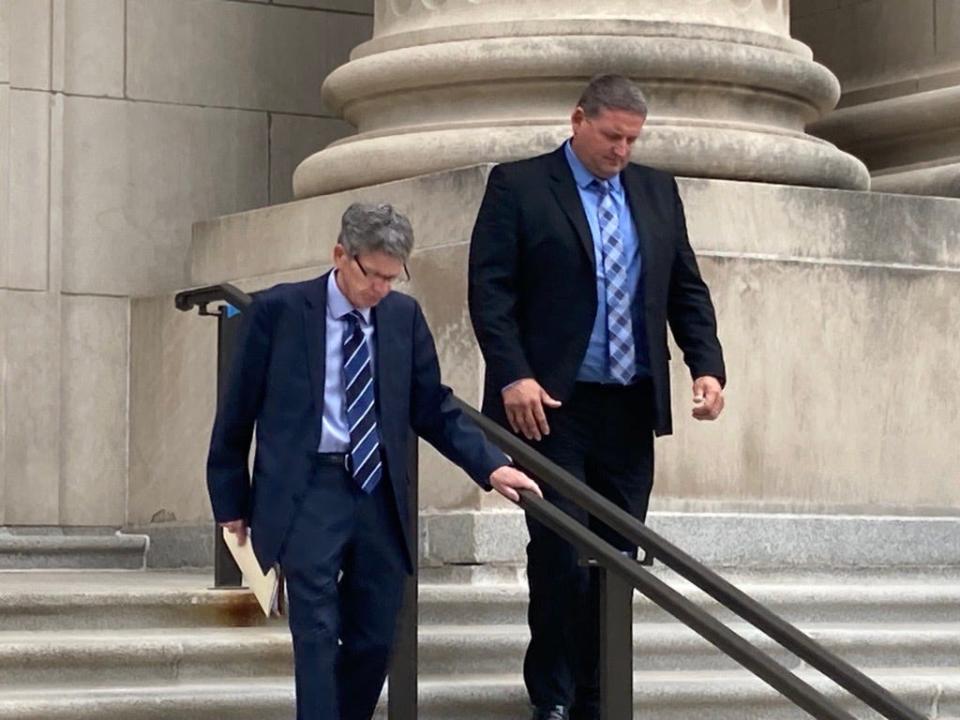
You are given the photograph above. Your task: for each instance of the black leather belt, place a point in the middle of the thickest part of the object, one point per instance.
(339, 459)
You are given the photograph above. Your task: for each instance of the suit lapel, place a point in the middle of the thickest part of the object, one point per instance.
(386, 345)
(634, 186)
(315, 331)
(565, 189)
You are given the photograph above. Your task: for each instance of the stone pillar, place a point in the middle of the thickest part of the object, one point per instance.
(899, 64)
(451, 83)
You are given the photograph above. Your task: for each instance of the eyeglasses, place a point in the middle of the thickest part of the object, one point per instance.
(389, 279)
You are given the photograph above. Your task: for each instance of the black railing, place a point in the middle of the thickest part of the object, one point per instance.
(227, 302)
(755, 660)
(619, 576)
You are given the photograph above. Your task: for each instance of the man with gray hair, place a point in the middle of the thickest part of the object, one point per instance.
(332, 373)
(579, 259)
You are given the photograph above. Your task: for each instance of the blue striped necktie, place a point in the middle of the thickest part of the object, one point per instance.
(361, 411)
(622, 352)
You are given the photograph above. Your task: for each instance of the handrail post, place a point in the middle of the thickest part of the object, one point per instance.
(616, 646)
(226, 573)
(402, 687)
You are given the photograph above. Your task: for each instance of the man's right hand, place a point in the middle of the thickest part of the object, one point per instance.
(238, 528)
(524, 401)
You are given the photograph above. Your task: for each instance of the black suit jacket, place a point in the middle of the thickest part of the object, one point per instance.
(533, 287)
(276, 384)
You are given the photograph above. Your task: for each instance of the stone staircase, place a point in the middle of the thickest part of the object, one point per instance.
(132, 645)
(38, 548)
(137, 644)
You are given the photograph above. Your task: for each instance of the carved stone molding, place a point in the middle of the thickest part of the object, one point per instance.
(448, 83)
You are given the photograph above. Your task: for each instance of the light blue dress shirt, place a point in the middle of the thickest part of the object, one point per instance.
(596, 362)
(335, 432)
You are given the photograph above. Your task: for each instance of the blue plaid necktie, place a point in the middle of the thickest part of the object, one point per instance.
(361, 413)
(623, 361)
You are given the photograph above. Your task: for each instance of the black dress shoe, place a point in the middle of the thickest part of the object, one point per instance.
(557, 712)
(579, 713)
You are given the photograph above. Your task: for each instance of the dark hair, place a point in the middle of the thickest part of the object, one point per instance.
(612, 92)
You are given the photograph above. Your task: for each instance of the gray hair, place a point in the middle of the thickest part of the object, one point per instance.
(376, 228)
(612, 92)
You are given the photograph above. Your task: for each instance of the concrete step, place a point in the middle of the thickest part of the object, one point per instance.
(141, 656)
(474, 650)
(131, 657)
(54, 550)
(237, 699)
(75, 600)
(713, 695)
(803, 599)
(658, 696)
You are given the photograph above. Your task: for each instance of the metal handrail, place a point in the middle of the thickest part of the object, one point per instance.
(201, 297)
(609, 558)
(792, 639)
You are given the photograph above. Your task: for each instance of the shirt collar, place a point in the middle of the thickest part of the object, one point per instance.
(584, 177)
(337, 304)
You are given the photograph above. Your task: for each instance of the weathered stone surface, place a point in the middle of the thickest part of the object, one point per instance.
(179, 545)
(745, 540)
(4, 43)
(240, 55)
(899, 64)
(439, 283)
(136, 175)
(292, 138)
(30, 324)
(104, 551)
(172, 399)
(277, 239)
(948, 28)
(4, 182)
(30, 44)
(89, 53)
(29, 190)
(94, 410)
(867, 41)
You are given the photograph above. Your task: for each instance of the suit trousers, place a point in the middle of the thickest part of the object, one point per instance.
(345, 571)
(602, 435)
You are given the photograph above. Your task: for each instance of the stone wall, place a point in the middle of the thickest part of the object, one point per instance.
(836, 310)
(121, 123)
(898, 62)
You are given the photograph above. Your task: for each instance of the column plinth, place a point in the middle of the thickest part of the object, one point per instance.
(449, 84)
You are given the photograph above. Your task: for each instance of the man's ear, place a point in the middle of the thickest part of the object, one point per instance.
(577, 117)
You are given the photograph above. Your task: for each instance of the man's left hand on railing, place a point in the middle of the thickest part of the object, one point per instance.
(707, 398)
(508, 481)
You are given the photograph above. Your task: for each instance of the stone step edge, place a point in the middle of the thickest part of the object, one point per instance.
(212, 636)
(159, 648)
(72, 543)
(453, 592)
(73, 552)
(701, 679)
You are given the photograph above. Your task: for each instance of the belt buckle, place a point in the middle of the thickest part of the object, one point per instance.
(346, 461)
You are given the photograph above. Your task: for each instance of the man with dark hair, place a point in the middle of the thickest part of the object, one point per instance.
(578, 261)
(333, 373)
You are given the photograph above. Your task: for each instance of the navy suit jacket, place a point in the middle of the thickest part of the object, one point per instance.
(276, 385)
(533, 295)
